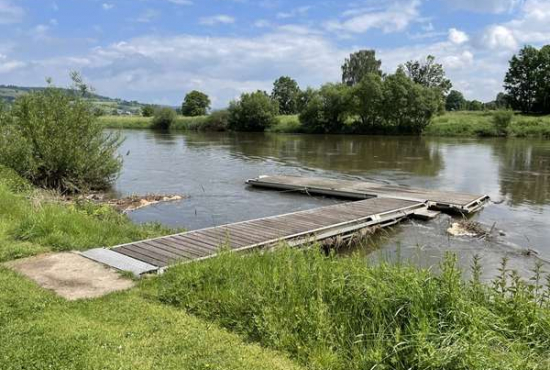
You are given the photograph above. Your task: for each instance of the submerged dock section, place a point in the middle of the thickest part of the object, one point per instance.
(351, 189)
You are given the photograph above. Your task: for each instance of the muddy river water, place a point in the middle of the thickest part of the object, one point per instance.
(210, 168)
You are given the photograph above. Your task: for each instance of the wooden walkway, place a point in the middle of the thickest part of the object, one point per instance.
(442, 200)
(293, 228)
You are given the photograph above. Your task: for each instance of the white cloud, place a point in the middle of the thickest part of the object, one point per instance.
(217, 19)
(7, 65)
(485, 6)
(297, 12)
(107, 6)
(148, 16)
(10, 13)
(457, 36)
(497, 37)
(181, 2)
(395, 17)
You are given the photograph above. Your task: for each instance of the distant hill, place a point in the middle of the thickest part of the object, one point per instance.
(8, 93)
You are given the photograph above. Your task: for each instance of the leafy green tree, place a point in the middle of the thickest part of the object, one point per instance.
(148, 111)
(358, 65)
(367, 100)
(195, 104)
(54, 140)
(328, 109)
(475, 105)
(408, 106)
(502, 101)
(455, 101)
(429, 74)
(253, 112)
(164, 118)
(543, 81)
(287, 93)
(522, 79)
(304, 97)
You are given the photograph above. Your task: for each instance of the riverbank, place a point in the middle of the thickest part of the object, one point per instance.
(302, 308)
(126, 330)
(453, 124)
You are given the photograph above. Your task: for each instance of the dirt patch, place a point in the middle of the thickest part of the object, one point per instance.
(70, 275)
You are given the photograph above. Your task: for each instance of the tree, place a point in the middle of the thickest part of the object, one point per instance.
(367, 100)
(429, 74)
(286, 92)
(328, 109)
(475, 105)
(455, 101)
(253, 112)
(543, 81)
(148, 111)
(408, 106)
(358, 65)
(195, 104)
(521, 79)
(304, 97)
(502, 101)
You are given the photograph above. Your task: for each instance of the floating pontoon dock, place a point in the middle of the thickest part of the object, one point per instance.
(384, 206)
(442, 200)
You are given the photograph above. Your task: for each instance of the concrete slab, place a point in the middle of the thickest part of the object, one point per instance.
(71, 275)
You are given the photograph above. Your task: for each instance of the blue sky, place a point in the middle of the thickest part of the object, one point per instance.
(157, 50)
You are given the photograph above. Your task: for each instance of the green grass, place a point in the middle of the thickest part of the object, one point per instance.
(121, 331)
(137, 122)
(472, 124)
(287, 124)
(340, 313)
(127, 330)
(33, 221)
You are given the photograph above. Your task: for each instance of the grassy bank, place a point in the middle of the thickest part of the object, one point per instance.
(121, 331)
(340, 313)
(481, 124)
(137, 122)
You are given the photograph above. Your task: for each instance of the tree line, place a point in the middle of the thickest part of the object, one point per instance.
(370, 101)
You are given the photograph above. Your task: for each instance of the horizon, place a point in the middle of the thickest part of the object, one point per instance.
(155, 51)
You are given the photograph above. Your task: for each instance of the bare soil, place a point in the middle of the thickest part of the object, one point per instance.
(70, 275)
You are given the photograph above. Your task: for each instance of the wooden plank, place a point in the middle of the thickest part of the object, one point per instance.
(464, 202)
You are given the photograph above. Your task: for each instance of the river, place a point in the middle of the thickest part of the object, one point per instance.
(210, 169)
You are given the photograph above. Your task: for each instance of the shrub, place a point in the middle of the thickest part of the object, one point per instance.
(148, 111)
(216, 121)
(501, 121)
(163, 119)
(253, 112)
(53, 139)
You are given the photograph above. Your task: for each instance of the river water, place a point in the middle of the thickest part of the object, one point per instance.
(210, 168)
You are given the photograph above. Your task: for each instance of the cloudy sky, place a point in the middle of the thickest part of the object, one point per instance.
(157, 50)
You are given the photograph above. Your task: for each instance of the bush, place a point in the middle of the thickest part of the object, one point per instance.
(328, 109)
(253, 112)
(163, 119)
(53, 139)
(216, 121)
(148, 111)
(501, 121)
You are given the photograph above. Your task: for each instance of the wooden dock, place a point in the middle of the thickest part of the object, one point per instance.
(293, 228)
(380, 206)
(435, 199)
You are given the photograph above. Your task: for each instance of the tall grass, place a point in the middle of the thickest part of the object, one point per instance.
(340, 313)
(136, 122)
(33, 222)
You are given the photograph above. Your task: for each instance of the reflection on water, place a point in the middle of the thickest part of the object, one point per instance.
(211, 169)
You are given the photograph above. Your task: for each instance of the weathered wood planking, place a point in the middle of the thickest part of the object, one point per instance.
(294, 228)
(444, 200)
